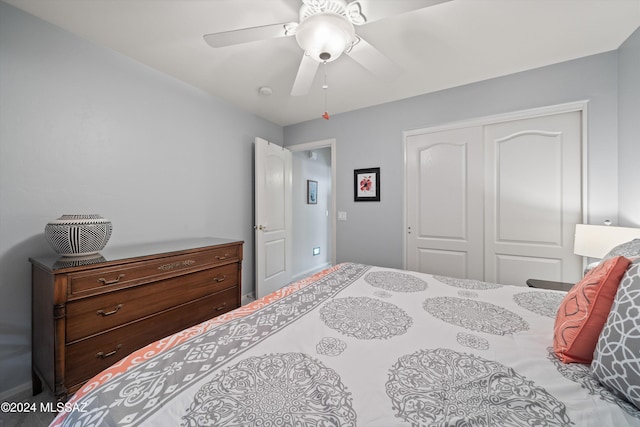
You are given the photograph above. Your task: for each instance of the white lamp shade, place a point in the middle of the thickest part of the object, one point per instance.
(594, 241)
(325, 36)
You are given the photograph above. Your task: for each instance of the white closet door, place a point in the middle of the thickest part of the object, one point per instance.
(533, 198)
(445, 203)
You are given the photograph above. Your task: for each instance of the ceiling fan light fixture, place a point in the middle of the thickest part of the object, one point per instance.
(325, 36)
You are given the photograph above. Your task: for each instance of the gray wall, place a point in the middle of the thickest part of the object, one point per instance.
(86, 130)
(373, 232)
(629, 130)
(311, 225)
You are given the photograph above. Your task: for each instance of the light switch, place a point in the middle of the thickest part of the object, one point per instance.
(342, 216)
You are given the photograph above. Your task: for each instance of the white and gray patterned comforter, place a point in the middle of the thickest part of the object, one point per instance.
(360, 346)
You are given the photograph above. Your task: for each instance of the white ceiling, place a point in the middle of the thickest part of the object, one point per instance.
(442, 46)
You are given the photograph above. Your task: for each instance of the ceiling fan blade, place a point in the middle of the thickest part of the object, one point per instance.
(245, 35)
(374, 10)
(373, 60)
(305, 76)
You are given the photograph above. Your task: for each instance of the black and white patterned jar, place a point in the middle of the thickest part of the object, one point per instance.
(78, 235)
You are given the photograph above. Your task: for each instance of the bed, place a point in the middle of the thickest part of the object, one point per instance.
(360, 345)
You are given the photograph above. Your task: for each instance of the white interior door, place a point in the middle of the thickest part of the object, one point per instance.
(445, 203)
(273, 216)
(533, 198)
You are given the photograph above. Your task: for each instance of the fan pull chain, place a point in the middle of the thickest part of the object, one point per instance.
(325, 87)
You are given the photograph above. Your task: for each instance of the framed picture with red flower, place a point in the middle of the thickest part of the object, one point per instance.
(366, 185)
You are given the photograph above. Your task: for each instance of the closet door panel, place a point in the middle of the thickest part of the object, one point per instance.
(533, 188)
(443, 263)
(442, 181)
(511, 269)
(528, 186)
(445, 203)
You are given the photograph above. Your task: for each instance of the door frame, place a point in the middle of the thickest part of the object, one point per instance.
(331, 143)
(581, 106)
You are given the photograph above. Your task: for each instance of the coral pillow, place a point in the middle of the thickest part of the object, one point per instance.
(583, 312)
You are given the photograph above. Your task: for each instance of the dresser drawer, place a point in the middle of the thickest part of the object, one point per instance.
(105, 279)
(95, 314)
(88, 357)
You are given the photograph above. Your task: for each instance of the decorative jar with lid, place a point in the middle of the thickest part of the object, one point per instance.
(78, 235)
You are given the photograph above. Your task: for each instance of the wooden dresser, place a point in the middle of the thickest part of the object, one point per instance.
(89, 313)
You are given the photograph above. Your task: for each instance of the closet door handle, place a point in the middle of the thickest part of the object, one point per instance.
(109, 313)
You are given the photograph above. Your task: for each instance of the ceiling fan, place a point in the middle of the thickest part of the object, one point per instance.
(325, 31)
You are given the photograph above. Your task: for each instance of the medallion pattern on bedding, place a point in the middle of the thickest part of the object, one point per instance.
(467, 283)
(395, 281)
(542, 303)
(472, 341)
(474, 315)
(329, 346)
(365, 318)
(442, 387)
(468, 294)
(289, 389)
(144, 388)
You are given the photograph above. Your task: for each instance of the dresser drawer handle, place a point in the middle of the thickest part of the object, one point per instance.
(221, 307)
(110, 282)
(102, 355)
(220, 278)
(222, 258)
(177, 264)
(109, 313)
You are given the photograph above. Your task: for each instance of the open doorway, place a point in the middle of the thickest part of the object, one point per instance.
(314, 204)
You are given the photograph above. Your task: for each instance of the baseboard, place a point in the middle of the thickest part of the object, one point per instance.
(17, 393)
(311, 271)
(246, 299)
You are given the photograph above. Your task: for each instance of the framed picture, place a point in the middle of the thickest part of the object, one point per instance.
(312, 192)
(366, 185)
